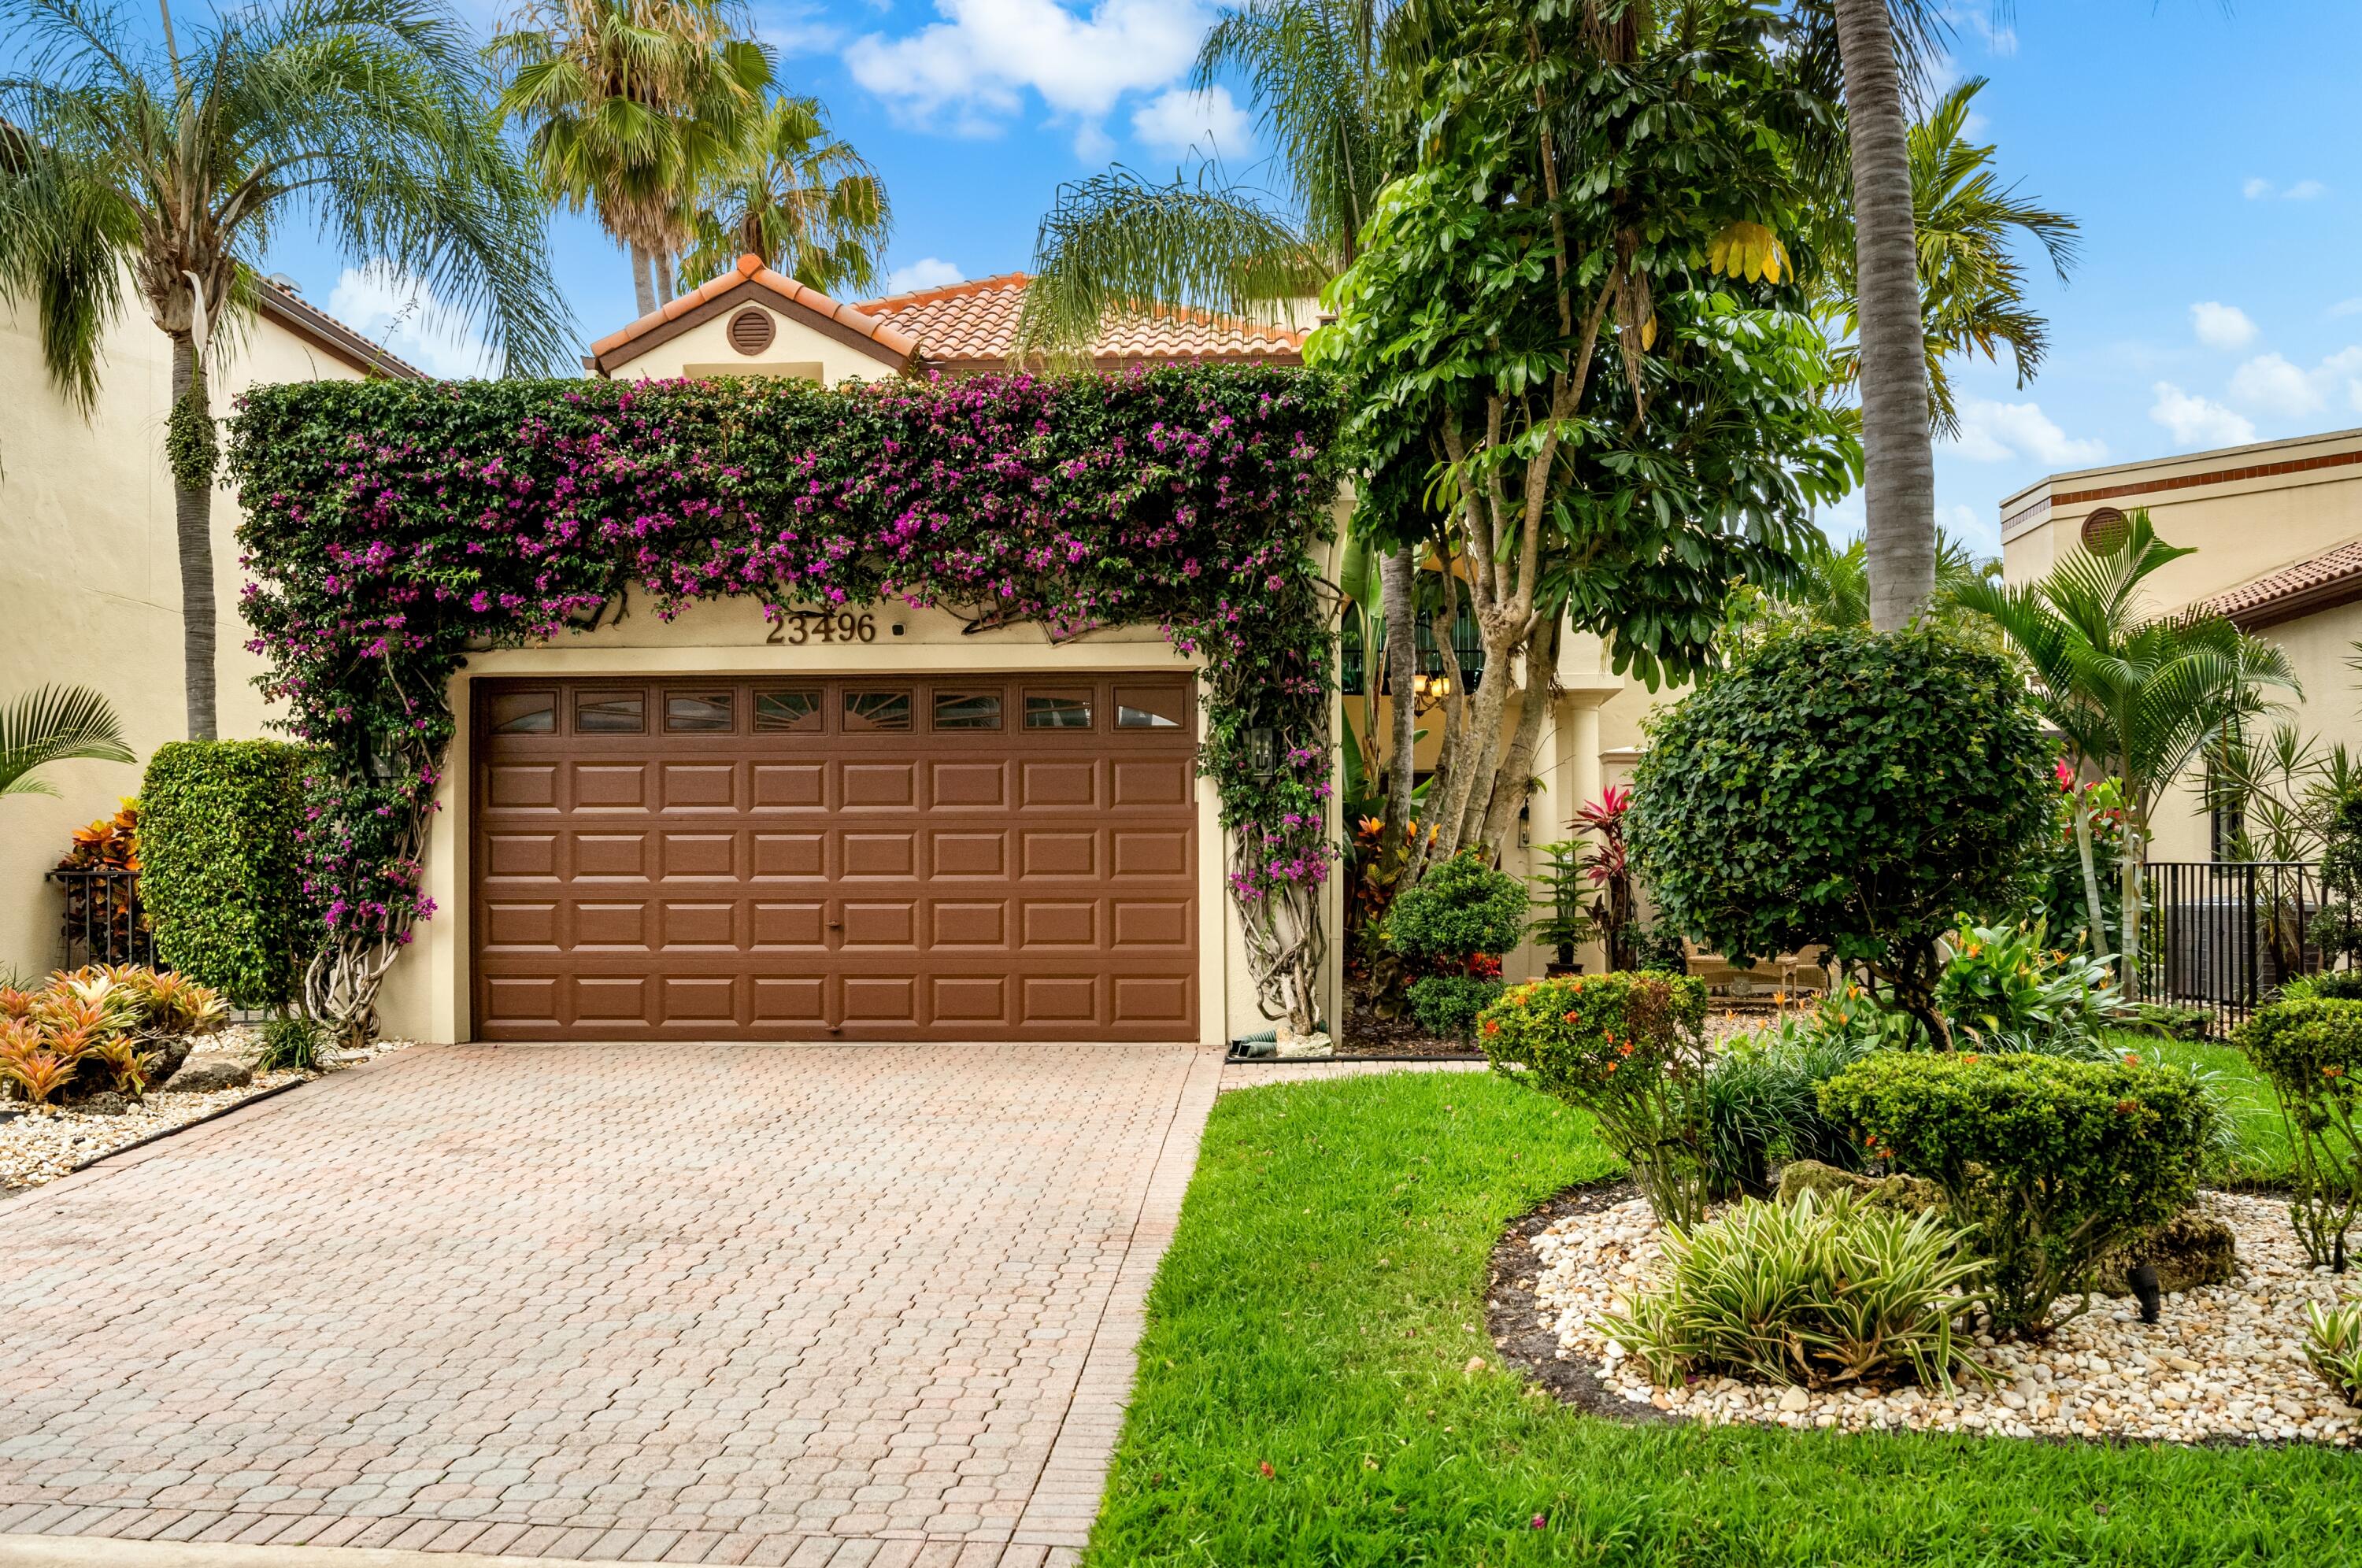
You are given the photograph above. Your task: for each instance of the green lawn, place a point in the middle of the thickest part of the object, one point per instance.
(2262, 1159)
(1323, 1297)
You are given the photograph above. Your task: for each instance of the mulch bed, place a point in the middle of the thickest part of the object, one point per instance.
(1367, 1034)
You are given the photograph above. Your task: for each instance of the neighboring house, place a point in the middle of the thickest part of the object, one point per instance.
(90, 572)
(2278, 528)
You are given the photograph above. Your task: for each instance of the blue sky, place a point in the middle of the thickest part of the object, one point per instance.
(2209, 154)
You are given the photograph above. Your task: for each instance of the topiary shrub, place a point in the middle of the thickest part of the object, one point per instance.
(1846, 788)
(1629, 1048)
(2310, 1053)
(1447, 1005)
(1459, 909)
(2052, 1162)
(1826, 1291)
(221, 872)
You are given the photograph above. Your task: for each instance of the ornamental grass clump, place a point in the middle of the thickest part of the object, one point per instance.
(2051, 1161)
(2310, 1053)
(1822, 1291)
(1631, 1049)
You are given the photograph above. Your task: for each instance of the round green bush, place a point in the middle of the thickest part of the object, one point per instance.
(1844, 788)
(220, 867)
(1446, 1005)
(2052, 1161)
(1458, 910)
(2310, 1051)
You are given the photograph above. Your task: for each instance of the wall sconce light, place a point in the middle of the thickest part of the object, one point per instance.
(1526, 826)
(1263, 751)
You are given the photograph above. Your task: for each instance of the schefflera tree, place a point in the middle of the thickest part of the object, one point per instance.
(1586, 385)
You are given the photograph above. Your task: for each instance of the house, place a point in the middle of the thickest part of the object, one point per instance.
(89, 573)
(2277, 532)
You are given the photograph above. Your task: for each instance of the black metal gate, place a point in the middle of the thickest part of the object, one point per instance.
(2225, 933)
(105, 923)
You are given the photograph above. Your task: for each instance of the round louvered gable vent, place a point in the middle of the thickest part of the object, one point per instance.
(2103, 530)
(751, 330)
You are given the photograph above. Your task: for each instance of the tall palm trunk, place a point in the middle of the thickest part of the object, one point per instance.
(643, 283)
(662, 262)
(2094, 912)
(193, 519)
(1396, 599)
(1899, 458)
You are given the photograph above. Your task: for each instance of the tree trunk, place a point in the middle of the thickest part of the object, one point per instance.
(643, 284)
(663, 264)
(1509, 784)
(1898, 455)
(192, 518)
(2095, 915)
(1399, 605)
(2135, 853)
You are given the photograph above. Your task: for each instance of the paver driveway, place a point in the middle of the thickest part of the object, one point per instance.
(851, 1305)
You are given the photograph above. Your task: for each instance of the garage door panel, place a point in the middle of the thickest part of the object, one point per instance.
(713, 877)
(700, 787)
(791, 857)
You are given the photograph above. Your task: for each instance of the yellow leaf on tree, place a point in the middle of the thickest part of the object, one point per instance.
(1748, 251)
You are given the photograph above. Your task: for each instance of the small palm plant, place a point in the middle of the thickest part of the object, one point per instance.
(803, 200)
(56, 724)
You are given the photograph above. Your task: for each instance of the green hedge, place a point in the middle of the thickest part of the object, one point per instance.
(220, 867)
(2310, 1051)
(2053, 1161)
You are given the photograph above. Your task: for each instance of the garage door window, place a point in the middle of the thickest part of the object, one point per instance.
(777, 711)
(967, 710)
(698, 712)
(525, 713)
(1057, 710)
(610, 713)
(1149, 708)
(872, 711)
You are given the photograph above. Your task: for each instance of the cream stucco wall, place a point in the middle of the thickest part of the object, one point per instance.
(90, 582)
(704, 350)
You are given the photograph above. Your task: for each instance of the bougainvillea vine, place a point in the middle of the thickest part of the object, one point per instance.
(392, 528)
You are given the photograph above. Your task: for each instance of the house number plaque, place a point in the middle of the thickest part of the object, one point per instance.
(797, 627)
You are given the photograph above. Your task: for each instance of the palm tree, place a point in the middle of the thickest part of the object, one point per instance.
(1971, 283)
(174, 168)
(1898, 455)
(2137, 694)
(800, 198)
(631, 104)
(56, 724)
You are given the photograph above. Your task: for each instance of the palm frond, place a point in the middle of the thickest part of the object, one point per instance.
(56, 724)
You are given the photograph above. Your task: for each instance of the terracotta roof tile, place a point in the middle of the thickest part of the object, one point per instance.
(284, 304)
(975, 324)
(750, 270)
(2295, 589)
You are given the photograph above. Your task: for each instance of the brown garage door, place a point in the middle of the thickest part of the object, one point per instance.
(809, 859)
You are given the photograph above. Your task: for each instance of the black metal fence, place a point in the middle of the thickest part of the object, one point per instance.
(1467, 647)
(2225, 935)
(105, 923)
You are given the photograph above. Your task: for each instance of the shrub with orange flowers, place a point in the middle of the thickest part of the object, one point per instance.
(2310, 1051)
(1629, 1048)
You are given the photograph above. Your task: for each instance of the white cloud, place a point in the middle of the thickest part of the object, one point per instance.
(2269, 382)
(2195, 422)
(1092, 143)
(397, 311)
(926, 272)
(2304, 191)
(2221, 325)
(796, 27)
(2347, 307)
(973, 68)
(1178, 121)
(1980, 531)
(1994, 432)
(2256, 190)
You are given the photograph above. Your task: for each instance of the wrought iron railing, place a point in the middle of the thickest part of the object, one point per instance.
(2225, 933)
(103, 921)
(1467, 645)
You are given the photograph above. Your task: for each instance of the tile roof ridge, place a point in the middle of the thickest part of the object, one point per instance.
(966, 286)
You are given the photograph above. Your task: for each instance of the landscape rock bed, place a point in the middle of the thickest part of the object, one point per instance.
(41, 1145)
(2224, 1363)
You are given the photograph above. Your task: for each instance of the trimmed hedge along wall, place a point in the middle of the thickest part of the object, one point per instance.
(221, 871)
(392, 527)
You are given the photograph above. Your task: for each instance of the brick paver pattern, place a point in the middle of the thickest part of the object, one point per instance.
(866, 1305)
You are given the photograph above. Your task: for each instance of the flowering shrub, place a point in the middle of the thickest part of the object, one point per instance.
(2310, 1053)
(2051, 1161)
(393, 526)
(1630, 1047)
(2009, 988)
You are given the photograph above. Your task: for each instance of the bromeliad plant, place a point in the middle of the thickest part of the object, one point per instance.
(1629, 1048)
(104, 1027)
(392, 528)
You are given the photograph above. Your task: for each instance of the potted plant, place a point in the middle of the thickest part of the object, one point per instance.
(1563, 924)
